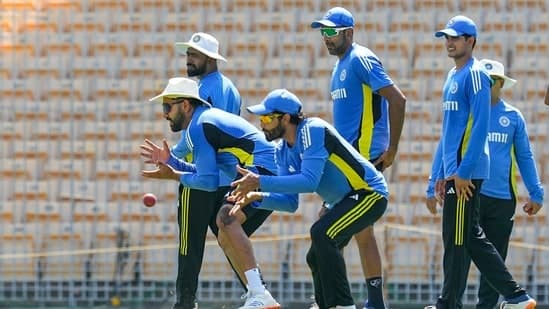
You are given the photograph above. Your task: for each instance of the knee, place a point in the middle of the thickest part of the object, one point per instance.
(366, 236)
(224, 220)
(310, 257)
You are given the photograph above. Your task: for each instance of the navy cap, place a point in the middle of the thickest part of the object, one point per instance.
(278, 100)
(458, 26)
(335, 17)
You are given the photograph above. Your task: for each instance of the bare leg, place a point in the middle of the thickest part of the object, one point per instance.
(371, 266)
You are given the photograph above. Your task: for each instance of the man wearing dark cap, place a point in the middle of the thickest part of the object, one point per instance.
(368, 111)
(314, 157)
(460, 165)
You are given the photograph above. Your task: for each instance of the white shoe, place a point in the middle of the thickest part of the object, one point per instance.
(344, 307)
(260, 301)
(314, 306)
(521, 302)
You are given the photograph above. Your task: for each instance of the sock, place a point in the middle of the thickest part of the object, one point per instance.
(255, 284)
(375, 292)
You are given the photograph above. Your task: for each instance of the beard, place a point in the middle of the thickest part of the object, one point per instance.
(193, 70)
(176, 124)
(274, 133)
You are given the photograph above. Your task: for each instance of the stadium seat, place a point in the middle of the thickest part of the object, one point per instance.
(528, 5)
(85, 111)
(21, 168)
(133, 212)
(118, 169)
(412, 171)
(126, 191)
(235, 22)
(78, 149)
(135, 22)
(492, 46)
(252, 44)
(242, 67)
(123, 115)
(307, 89)
(278, 22)
(158, 255)
(24, 5)
(393, 45)
(33, 191)
(43, 212)
(153, 130)
(55, 5)
(398, 68)
(91, 68)
(511, 21)
(145, 68)
(426, 46)
(414, 150)
(108, 5)
(413, 22)
(323, 67)
(20, 89)
(292, 5)
(32, 111)
(532, 44)
(41, 150)
(115, 90)
(89, 212)
(125, 150)
(287, 67)
(299, 270)
(21, 267)
(89, 22)
(66, 169)
(351, 5)
(49, 67)
(479, 5)
(67, 266)
(156, 5)
(81, 191)
(100, 131)
(107, 262)
(387, 5)
(434, 5)
(38, 22)
(52, 131)
(530, 68)
(113, 46)
(404, 267)
(429, 67)
(300, 45)
(7, 215)
(66, 45)
(251, 5)
(540, 22)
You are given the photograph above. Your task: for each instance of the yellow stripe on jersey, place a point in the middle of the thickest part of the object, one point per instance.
(467, 135)
(513, 172)
(243, 157)
(353, 214)
(184, 228)
(367, 123)
(460, 221)
(355, 179)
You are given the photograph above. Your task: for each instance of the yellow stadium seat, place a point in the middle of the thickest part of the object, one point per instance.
(78, 149)
(18, 89)
(89, 22)
(531, 44)
(38, 22)
(201, 5)
(477, 5)
(92, 67)
(135, 22)
(27, 5)
(18, 268)
(530, 5)
(89, 212)
(236, 22)
(252, 43)
(398, 45)
(81, 191)
(21, 168)
(41, 150)
(430, 5)
(64, 169)
(108, 5)
(540, 22)
(274, 21)
(404, 267)
(143, 67)
(504, 22)
(300, 45)
(118, 169)
(413, 22)
(292, 5)
(115, 89)
(72, 5)
(261, 5)
(33, 191)
(45, 68)
(62, 260)
(287, 67)
(44, 212)
(386, 5)
(64, 45)
(158, 45)
(351, 5)
(147, 5)
(51, 131)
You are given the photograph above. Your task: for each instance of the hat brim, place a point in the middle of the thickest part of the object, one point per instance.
(508, 81)
(159, 97)
(181, 47)
(258, 109)
(447, 31)
(322, 23)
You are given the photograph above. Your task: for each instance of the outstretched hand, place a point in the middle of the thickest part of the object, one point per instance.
(155, 154)
(162, 171)
(244, 201)
(247, 183)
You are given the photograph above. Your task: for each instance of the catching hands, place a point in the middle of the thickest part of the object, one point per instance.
(162, 171)
(155, 154)
(247, 183)
(244, 201)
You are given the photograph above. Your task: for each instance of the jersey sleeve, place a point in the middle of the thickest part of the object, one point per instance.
(310, 142)
(371, 72)
(206, 174)
(478, 86)
(525, 161)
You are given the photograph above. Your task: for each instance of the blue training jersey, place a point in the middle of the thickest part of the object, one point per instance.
(321, 161)
(463, 146)
(218, 142)
(220, 91)
(359, 112)
(508, 141)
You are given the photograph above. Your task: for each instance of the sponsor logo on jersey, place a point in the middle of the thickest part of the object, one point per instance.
(497, 137)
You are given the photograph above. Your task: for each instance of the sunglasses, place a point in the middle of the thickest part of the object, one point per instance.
(266, 119)
(331, 32)
(167, 107)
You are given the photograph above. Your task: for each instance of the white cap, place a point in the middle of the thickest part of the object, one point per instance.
(180, 87)
(496, 68)
(204, 43)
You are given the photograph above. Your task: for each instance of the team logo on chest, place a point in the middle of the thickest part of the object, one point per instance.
(454, 87)
(343, 75)
(504, 121)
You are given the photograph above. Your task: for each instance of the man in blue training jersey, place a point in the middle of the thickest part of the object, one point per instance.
(314, 157)
(217, 140)
(368, 111)
(197, 208)
(509, 143)
(460, 165)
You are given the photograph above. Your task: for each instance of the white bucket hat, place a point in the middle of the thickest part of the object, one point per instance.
(180, 87)
(204, 43)
(496, 68)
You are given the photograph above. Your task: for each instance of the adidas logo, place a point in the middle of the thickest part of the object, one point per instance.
(354, 197)
(451, 191)
(291, 169)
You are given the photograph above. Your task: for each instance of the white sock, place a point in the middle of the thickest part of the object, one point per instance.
(254, 281)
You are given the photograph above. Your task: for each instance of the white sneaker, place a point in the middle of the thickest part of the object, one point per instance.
(260, 301)
(314, 306)
(344, 307)
(521, 302)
